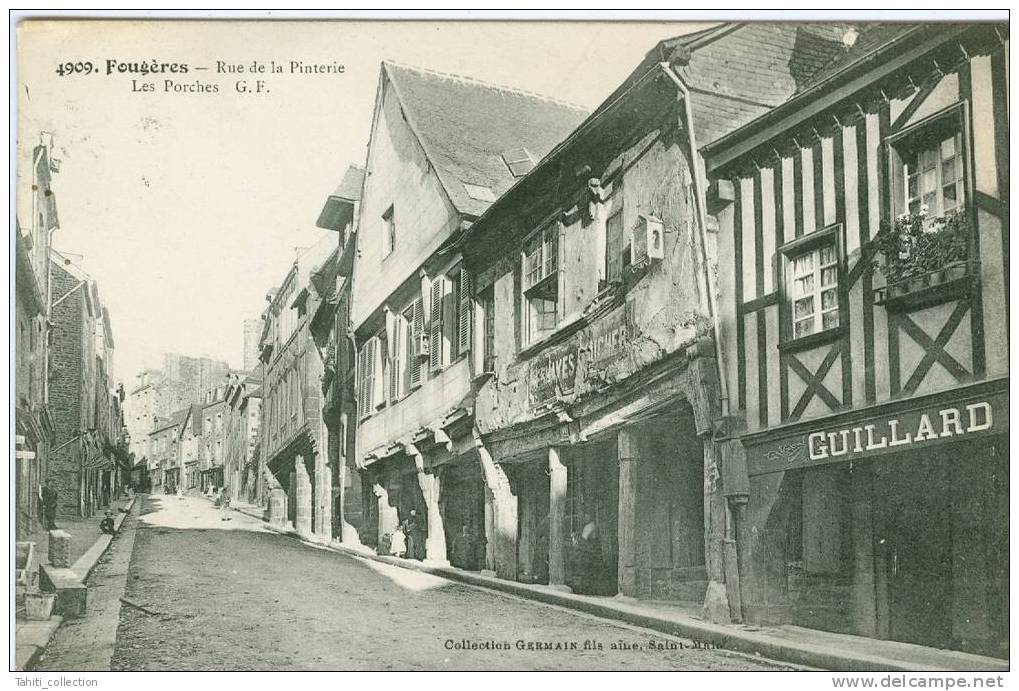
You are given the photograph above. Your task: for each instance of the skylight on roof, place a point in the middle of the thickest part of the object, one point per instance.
(479, 192)
(519, 161)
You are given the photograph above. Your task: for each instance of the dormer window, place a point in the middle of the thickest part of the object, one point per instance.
(519, 161)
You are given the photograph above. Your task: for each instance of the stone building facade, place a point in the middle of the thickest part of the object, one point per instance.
(37, 219)
(596, 389)
(329, 327)
(294, 441)
(243, 417)
(84, 401)
(440, 152)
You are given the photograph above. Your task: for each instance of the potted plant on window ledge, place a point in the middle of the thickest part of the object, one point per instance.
(926, 258)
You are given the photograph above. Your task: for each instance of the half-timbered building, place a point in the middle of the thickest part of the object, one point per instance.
(864, 318)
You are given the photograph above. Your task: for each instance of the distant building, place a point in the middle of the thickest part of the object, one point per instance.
(294, 440)
(36, 220)
(252, 332)
(164, 443)
(240, 475)
(329, 329)
(84, 402)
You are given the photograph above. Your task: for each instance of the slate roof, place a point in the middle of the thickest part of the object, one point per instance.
(465, 125)
(350, 185)
(871, 38)
(176, 418)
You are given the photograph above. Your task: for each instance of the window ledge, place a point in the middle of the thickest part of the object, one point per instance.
(950, 283)
(561, 333)
(812, 341)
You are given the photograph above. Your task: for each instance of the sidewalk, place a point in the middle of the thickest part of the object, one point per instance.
(84, 532)
(87, 546)
(808, 647)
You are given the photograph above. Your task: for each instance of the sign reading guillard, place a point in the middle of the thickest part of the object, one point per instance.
(881, 435)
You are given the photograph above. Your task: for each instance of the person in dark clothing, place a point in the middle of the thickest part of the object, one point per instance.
(106, 525)
(412, 529)
(49, 506)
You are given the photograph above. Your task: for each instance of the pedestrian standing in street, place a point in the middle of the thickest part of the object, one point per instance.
(49, 506)
(412, 529)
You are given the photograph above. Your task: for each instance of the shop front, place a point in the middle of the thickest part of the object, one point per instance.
(610, 486)
(889, 522)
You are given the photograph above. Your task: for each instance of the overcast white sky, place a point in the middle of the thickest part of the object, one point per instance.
(188, 207)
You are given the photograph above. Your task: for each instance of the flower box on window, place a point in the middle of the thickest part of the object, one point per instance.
(925, 259)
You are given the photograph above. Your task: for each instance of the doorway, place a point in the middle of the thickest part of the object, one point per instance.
(913, 532)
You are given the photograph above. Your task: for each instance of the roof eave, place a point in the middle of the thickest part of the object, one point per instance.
(803, 106)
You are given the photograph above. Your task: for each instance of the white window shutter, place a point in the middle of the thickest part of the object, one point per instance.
(466, 313)
(416, 328)
(379, 384)
(435, 333)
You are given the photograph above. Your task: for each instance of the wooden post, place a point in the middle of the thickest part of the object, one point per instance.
(628, 454)
(500, 514)
(556, 519)
(348, 533)
(388, 517)
(435, 543)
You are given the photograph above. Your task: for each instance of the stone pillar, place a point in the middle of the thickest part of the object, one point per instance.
(323, 513)
(628, 453)
(60, 548)
(302, 495)
(277, 506)
(556, 520)
(435, 543)
(500, 514)
(348, 533)
(388, 517)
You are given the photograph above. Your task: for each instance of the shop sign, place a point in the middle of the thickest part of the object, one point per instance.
(906, 431)
(552, 374)
(609, 337)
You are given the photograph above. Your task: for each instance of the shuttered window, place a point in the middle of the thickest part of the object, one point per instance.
(367, 368)
(415, 322)
(466, 297)
(396, 345)
(435, 327)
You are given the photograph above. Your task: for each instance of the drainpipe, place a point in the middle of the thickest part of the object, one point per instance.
(699, 193)
(721, 604)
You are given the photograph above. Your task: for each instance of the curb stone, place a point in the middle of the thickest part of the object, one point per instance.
(27, 654)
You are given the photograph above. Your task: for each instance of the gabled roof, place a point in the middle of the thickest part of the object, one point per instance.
(339, 207)
(465, 126)
(176, 418)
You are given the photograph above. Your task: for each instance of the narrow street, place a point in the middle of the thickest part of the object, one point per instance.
(202, 593)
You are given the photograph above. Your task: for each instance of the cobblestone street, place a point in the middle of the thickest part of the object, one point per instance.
(203, 593)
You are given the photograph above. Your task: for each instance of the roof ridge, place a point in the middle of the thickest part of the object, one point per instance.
(489, 85)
